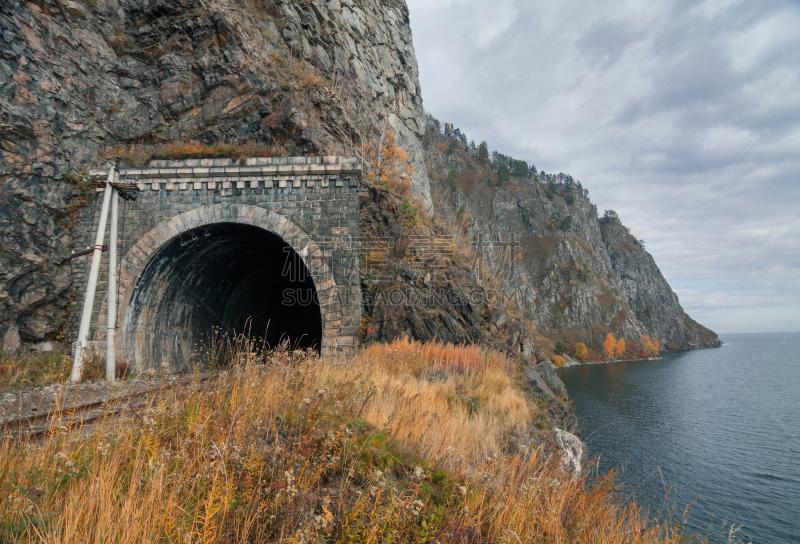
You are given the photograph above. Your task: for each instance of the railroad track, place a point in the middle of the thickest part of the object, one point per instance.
(34, 413)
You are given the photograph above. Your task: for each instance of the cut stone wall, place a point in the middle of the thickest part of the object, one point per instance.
(310, 202)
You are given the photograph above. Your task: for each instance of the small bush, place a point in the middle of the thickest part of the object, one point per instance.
(139, 155)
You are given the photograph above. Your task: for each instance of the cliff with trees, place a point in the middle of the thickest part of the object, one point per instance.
(575, 276)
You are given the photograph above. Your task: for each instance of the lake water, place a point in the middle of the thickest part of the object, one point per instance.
(720, 423)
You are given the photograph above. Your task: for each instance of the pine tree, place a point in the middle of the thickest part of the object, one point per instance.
(502, 174)
(483, 152)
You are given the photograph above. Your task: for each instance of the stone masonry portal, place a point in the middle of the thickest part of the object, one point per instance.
(267, 248)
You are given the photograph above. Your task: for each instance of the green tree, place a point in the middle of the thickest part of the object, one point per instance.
(451, 180)
(483, 152)
(408, 212)
(502, 174)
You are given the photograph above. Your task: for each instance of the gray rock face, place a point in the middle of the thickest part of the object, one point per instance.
(578, 277)
(369, 42)
(304, 77)
(405, 300)
(648, 294)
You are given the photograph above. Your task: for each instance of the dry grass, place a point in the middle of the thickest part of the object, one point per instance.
(401, 443)
(42, 368)
(140, 155)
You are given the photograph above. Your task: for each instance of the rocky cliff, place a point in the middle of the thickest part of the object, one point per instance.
(77, 77)
(529, 262)
(574, 275)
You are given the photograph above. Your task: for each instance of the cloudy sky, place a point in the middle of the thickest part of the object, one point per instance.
(683, 116)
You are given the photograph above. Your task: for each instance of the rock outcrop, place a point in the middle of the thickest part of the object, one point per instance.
(316, 77)
(404, 296)
(575, 276)
(649, 297)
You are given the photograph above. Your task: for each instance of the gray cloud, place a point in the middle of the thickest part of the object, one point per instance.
(682, 116)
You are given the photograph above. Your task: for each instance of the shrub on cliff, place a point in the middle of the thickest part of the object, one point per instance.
(388, 165)
(140, 155)
(651, 347)
(609, 346)
(619, 350)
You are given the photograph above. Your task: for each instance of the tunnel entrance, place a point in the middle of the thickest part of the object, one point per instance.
(226, 277)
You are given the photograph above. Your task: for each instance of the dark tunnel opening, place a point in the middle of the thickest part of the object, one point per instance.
(226, 277)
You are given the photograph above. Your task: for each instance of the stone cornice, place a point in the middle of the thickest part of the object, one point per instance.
(269, 172)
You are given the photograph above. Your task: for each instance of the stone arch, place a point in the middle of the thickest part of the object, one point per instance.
(136, 259)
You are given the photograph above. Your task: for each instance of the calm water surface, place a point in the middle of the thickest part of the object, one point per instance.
(720, 423)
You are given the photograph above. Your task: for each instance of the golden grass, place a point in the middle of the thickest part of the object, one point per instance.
(403, 442)
(140, 155)
(42, 368)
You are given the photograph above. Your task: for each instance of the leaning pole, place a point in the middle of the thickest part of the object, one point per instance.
(91, 286)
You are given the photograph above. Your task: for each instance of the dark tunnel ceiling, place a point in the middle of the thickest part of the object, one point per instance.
(227, 276)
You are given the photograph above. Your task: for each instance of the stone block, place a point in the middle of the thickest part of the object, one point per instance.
(258, 161)
(216, 213)
(167, 229)
(152, 173)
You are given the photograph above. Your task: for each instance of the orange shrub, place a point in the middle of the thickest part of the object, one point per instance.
(651, 347)
(471, 358)
(609, 346)
(387, 163)
(140, 155)
(558, 360)
(620, 349)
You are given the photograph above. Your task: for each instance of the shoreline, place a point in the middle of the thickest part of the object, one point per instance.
(570, 362)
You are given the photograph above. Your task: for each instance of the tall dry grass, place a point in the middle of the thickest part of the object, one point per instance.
(402, 443)
(32, 369)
